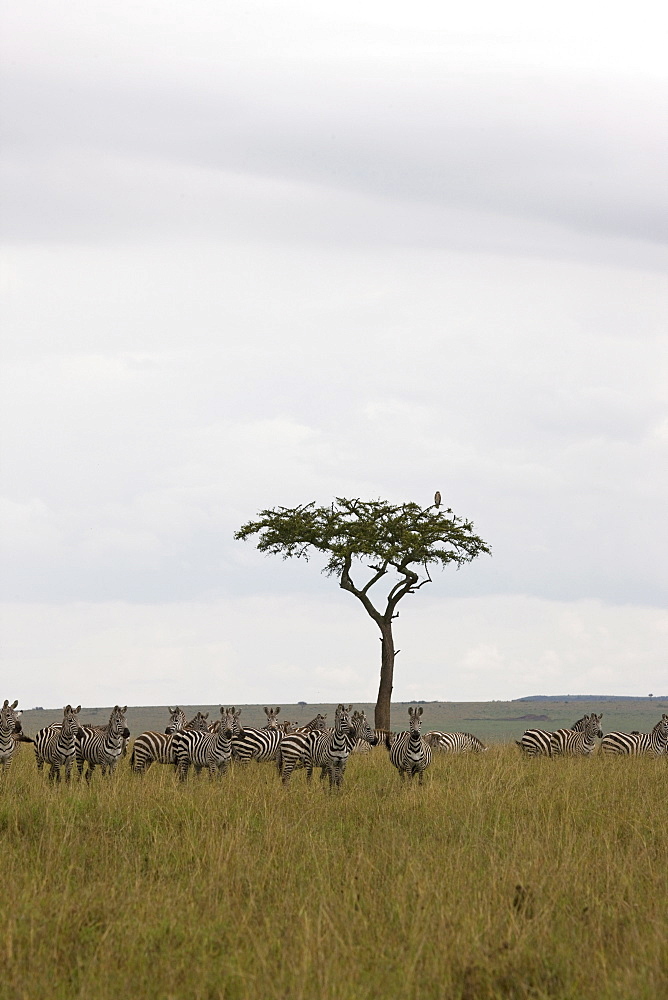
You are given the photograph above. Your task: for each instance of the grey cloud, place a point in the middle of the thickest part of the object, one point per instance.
(577, 153)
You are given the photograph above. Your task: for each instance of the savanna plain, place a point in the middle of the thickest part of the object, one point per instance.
(501, 877)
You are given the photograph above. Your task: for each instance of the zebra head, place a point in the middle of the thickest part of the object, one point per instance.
(362, 730)
(9, 718)
(177, 720)
(415, 721)
(236, 727)
(342, 723)
(198, 723)
(71, 724)
(272, 722)
(592, 726)
(661, 728)
(117, 726)
(227, 722)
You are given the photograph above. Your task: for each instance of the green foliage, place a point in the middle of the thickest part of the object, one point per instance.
(500, 878)
(403, 537)
(396, 535)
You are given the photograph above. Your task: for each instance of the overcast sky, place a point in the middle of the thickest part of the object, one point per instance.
(259, 254)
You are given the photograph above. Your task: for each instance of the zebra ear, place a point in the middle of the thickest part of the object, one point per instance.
(77, 710)
(222, 710)
(277, 712)
(15, 703)
(266, 711)
(419, 710)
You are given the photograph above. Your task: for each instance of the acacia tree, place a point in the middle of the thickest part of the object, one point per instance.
(394, 543)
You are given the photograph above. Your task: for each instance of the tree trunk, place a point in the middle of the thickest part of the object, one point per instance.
(382, 714)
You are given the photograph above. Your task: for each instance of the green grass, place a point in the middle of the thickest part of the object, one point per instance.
(235, 889)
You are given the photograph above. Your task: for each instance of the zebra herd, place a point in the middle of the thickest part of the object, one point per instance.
(580, 740)
(199, 744)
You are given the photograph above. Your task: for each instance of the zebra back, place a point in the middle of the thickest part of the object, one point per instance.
(455, 742)
(151, 748)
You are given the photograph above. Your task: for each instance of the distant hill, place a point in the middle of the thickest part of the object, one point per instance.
(592, 697)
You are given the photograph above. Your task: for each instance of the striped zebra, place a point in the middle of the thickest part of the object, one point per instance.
(409, 752)
(297, 750)
(538, 743)
(577, 743)
(11, 733)
(56, 745)
(330, 750)
(102, 745)
(364, 736)
(455, 742)
(258, 744)
(210, 750)
(156, 748)
(654, 744)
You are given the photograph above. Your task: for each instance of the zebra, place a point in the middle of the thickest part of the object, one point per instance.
(156, 748)
(654, 744)
(211, 750)
(56, 745)
(538, 742)
(11, 733)
(409, 752)
(258, 744)
(364, 736)
(296, 749)
(577, 743)
(102, 745)
(330, 750)
(455, 742)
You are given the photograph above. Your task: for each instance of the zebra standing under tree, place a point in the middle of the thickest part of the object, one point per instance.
(538, 742)
(409, 752)
(654, 744)
(56, 745)
(102, 745)
(574, 743)
(210, 750)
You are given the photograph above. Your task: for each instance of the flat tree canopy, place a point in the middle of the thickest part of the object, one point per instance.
(375, 540)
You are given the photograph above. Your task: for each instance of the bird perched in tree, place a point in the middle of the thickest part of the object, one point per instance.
(437, 499)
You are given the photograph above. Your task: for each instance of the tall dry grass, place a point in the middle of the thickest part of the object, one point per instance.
(501, 877)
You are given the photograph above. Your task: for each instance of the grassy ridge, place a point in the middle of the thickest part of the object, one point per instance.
(240, 888)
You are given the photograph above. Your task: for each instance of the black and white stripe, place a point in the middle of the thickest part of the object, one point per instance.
(10, 733)
(56, 745)
(654, 744)
(574, 743)
(330, 750)
(409, 752)
(210, 750)
(102, 745)
(454, 742)
(157, 748)
(538, 742)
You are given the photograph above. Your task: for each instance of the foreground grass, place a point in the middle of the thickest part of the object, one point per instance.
(237, 889)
